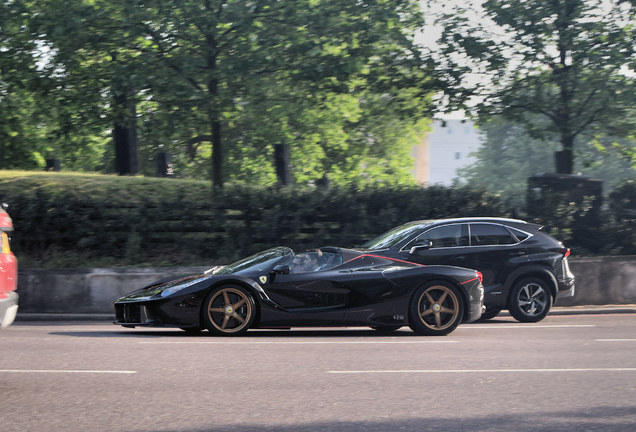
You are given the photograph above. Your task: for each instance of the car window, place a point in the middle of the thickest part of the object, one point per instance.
(490, 234)
(521, 236)
(392, 237)
(315, 261)
(444, 236)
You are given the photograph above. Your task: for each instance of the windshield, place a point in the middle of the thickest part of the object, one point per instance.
(255, 264)
(394, 236)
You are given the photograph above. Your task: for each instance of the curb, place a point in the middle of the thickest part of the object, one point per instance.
(64, 317)
(594, 310)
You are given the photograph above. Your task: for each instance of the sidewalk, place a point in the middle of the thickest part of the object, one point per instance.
(570, 310)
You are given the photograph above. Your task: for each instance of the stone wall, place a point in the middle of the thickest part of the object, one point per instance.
(85, 291)
(599, 280)
(603, 280)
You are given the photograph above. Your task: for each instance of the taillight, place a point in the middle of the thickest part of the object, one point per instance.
(565, 251)
(480, 276)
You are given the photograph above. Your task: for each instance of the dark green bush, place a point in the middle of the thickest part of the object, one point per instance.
(79, 221)
(621, 237)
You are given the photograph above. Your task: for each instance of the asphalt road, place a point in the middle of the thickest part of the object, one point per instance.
(566, 373)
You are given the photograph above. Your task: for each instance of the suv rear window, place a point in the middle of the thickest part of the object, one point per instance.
(489, 234)
(519, 234)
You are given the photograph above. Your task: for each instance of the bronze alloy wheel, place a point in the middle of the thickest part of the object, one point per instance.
(437, 309)
(229, 311)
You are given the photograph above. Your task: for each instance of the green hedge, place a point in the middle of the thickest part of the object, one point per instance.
(621, 221)
(66, 220)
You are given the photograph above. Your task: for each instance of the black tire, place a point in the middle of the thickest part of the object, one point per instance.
(490, 313)
(436, 309)
(386, 328)
(228, 311)
(530, 300)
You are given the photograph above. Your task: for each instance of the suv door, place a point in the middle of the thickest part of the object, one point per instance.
(447, 246)
(496, 253)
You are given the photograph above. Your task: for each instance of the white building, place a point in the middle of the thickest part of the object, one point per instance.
(445, 151)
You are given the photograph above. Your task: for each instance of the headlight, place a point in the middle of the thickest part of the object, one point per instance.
(177, 288)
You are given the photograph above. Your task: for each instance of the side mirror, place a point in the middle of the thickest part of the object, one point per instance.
(427, 244)
(282, 269)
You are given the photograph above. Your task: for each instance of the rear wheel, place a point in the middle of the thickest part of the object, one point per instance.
(530, 300)
(436, 309)
(229, 311)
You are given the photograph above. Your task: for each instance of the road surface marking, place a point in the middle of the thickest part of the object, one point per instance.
(311, 342)
(524, 326)
(70, 371)
(463, 371)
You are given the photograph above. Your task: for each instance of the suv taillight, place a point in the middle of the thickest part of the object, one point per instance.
(565, 251)
(480, 276)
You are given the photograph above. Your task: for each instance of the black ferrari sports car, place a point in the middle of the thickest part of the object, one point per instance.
(325, 287)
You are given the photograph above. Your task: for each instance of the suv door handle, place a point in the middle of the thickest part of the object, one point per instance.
(460, 259)
(516, 254)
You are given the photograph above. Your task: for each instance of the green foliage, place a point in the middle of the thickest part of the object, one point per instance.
(339, 81)
(518, 156)
(570, 221)
(571, 62)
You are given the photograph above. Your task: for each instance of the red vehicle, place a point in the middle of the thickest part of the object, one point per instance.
(8, 273)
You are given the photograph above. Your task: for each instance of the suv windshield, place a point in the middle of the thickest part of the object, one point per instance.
(256, 263)
(394, 236)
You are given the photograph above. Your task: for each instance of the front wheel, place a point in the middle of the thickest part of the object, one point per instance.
(530, 300)
(229, 311)
(436, 309)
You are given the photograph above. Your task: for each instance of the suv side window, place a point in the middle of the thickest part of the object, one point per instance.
(489, 234)
(445, 236)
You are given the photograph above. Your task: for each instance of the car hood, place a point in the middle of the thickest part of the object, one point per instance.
(157, 288)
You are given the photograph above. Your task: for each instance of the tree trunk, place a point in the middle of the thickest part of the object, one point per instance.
(564, 159)
(215, 125)
(217, 154)
(125, 137)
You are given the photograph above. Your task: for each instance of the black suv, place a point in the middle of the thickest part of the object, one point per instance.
(525, 270)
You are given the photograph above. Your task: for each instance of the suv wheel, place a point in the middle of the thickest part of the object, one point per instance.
(530, 300)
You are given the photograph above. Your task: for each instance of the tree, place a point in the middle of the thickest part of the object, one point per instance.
(226, 57)
(93, 66)
(21, 146)
(569, 61)
(224, 80)
(517, 156)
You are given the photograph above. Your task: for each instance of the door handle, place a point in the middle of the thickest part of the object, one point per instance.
(460, 259)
